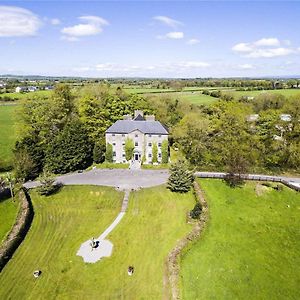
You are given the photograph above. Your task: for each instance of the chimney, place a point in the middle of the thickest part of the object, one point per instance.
(138, 112)
(150, 118)
(127, 117)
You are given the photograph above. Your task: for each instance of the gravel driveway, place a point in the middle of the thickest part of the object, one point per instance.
(122, 178)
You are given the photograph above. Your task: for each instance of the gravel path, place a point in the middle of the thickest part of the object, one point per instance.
(104, 247)
(123, 179)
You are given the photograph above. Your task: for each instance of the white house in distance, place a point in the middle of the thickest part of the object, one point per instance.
(143, 131)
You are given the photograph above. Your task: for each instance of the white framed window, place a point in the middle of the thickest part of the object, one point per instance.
(136, 144)
(149, 155)
(149, 144)
(113, 134)
(159, 144)
(136, 135)
(159, 155)
(114, 153)
(114, 144)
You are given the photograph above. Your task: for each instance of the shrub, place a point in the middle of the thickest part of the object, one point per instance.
(181, 178)
(196, 211)
(109, 153)
(99, 152)
(165, 152)
(129, 147)
(154, 153)
(48, 185)
(233, 180)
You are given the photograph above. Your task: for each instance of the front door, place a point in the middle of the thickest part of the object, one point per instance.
(136, 157)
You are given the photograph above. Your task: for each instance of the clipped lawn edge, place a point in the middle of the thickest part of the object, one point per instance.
(172, 266)
(19, 229)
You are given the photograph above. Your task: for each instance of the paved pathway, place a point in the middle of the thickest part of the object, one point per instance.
(123, 179)
(104, 247)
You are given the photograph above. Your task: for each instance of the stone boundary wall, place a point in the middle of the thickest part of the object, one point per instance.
(19, 229)
(172, 267)
(250, 177)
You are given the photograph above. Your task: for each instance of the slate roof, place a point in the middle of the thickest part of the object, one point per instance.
(147, 127)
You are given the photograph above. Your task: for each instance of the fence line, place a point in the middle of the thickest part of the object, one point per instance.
(250, 177)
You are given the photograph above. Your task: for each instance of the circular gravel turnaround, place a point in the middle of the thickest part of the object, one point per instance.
(123, 179)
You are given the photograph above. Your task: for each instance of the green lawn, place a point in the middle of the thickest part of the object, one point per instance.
(154, 222)
(250, 247)
(8, 213)
(7, 131)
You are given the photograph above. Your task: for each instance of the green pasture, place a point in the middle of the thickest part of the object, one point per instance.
(250, 246)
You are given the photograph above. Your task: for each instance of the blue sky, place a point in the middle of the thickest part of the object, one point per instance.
(152, 39)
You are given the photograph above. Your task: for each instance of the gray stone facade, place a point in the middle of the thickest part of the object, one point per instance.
(142, 131)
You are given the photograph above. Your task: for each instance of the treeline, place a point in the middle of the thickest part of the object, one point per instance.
(228, 136)
(66, 132)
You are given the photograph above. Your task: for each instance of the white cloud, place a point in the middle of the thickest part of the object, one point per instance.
(175, 35)
(167, 21)
(264, 48)
(269, 53)
(17, 22)
(55, 21)
(267, 42)
(69, 38)
(242, 47)
(90, 25)
(192, 64)
(193, 41)
(246, 66)
(115, 69)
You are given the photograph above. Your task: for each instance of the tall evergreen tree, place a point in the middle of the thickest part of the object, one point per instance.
(70, 150)
(181, 178)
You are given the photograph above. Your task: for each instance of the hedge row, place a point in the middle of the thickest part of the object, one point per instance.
(19, 229)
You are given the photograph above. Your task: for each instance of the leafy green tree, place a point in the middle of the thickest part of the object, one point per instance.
(180, 179)
(109, 153)
(35, 150)
(70, 150)
(129, 148)
(99, 151)
(165, 152)
(95, 118)
(24, 167)
(154, 152)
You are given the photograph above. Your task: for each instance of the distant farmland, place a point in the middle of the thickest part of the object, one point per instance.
(7, 132)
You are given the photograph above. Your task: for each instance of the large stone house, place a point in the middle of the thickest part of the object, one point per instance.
(142, 130)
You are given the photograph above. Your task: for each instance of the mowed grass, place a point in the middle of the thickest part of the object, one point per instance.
(7, 131)
(250, 247)
(155, 220)
(8, 214)
(61, 223)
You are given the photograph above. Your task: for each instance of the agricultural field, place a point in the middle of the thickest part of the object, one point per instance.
(155, 220)
(7, 132)
(250, 247)
(284, 92)
(18, 96)
(8, 213)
